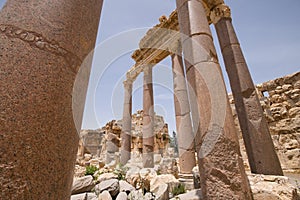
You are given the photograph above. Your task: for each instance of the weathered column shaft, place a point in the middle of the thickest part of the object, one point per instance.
(126, 128)
(258, 142)
(220, 162)
(42, 46)
(148, 119)
(185, 135)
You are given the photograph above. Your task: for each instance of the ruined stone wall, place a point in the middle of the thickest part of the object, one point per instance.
(161, 132)
(280, 101)
(105, 142)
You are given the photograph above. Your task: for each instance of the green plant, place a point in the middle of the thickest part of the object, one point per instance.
(90, 170)
(120, 171)
(180, 189)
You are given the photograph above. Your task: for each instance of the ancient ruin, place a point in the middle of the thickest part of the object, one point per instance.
(130, 158)
(215, 129)
(284, 128)
(105, 143)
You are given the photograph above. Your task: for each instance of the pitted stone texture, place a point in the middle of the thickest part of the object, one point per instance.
(220, 162)
(281, 112)
(36, 81)
(258, 142)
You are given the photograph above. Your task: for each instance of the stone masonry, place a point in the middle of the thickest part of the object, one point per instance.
(280, 101)
(96, 142)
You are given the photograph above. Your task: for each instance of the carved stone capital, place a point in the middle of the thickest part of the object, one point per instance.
(219, 12)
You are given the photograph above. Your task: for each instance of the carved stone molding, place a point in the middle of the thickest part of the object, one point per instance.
(219, 12)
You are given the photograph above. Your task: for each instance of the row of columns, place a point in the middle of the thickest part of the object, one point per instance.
(214, 137)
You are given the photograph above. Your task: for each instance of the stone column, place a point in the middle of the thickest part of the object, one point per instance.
(220, 162)
(42, 46)
(148, 119)
(258, 142)
(185, 134)
(126, 128)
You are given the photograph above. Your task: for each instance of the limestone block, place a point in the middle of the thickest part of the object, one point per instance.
(106, 176)
(105, 195)
(161, 192)
(122, 196)
(147, 174)
(270, 187)
(112, 186)
(287, 87)
(168, 179)
(294, 112)
(83, 184)
(84, 196)
(191, 195)
(125, 187)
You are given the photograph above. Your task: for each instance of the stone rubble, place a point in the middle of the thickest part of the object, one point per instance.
(281, 108)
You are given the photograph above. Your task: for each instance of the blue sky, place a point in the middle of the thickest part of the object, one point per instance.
(268, 31)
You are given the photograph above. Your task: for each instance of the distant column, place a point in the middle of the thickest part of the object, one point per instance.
(258, 142)
(42, 47)
(220, 162)
(185, 135)
(148, 119)
(126, 128)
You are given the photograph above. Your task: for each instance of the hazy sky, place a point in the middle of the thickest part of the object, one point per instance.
(268, 31)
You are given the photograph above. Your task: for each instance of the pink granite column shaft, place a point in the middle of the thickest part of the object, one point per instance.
(258, 142)
(126, 127)
(185, 134)
(42, 46)
(148, 119)
(220, 162)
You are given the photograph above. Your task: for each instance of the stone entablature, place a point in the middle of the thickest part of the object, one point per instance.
(157, 44)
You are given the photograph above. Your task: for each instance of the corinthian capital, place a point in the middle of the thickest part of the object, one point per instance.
(219, 12)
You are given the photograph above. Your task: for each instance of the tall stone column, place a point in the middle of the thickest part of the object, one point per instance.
(42, 46)
(148, 119)
(258, 142)
(220, 162)
(185, 134)
(126, 128)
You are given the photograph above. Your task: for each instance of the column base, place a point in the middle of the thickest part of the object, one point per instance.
(187, 180)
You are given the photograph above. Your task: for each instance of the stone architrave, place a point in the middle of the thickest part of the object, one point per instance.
(148, 119)
(126, 128)
(220, 163)
(185, 134)
(258, 142)
(42, 46)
